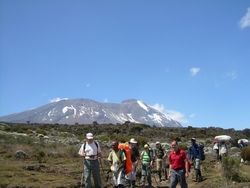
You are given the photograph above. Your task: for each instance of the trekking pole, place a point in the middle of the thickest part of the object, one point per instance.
(82, 179)
(106, 177)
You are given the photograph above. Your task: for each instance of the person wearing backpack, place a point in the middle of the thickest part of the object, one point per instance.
(130, 178)
(195, 154)
(160, 155)
(178, 168)
(146, 158)
(117, 161)
(91, 153)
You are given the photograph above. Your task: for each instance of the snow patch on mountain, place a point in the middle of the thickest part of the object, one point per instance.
(143, 105)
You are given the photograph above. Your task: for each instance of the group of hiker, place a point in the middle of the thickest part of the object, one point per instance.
(124, 173)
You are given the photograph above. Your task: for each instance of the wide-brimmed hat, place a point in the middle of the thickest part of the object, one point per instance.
(157, 142)
(145, 146)
(132, 140)
(89, 136)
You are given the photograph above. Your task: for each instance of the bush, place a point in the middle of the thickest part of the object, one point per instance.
(231, 167)
(104, 138)
(245, 153)
(39, 131)
(40, 156)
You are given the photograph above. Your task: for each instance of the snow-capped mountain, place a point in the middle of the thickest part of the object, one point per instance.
(86, 111)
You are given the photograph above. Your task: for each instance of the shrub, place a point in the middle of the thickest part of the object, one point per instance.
(231, 167)
(104, 138)
(39, 131)
(19, 154)
(245, 153)
(40, 156)
(183, 146)
(72, 152)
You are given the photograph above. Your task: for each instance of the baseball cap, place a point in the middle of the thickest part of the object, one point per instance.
(89, 136)
(145, 146)
(193, 139)
(157, 142)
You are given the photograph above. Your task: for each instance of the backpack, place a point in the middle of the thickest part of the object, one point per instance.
(203, 156)
(124, 148)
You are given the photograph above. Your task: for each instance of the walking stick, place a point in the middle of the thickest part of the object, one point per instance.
(82, 179)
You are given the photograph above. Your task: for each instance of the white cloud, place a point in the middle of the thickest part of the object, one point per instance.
(171, 113)
(245, 21)
(192, 115)
(194, 71)
(105, 100)
(57, 99)
(87, 85)
(232, 74)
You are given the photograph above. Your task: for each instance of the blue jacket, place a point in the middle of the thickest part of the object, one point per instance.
(195, 152)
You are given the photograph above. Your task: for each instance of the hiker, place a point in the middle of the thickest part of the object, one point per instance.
(216, 148)
(117, 161)
(223, 151)
(195, 154)
(130, 178)
(146, 158)
(178, 168)
(91, 153)
(160, 155)
(241, 144)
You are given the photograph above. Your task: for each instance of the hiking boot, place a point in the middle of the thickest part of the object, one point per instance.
(200, 179)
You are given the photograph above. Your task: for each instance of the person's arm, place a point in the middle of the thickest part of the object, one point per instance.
(186, 167)
(169, 173)
(137, 157)
(165, 155)
(189, 153)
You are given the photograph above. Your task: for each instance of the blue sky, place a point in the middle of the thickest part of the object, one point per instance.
(191, 59)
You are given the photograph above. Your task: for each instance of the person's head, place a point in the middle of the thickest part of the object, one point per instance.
(174, 145)
(146, 147)
(114, 145)
(157, 144)
(89, 137)
(132, 142)
(223, 142)
(193, 140)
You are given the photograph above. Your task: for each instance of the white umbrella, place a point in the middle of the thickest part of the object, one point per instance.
(223, 138)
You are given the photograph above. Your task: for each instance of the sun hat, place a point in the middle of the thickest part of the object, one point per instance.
(132, 140)
(193, 139)
(89, 136)
(157, 142)
(145, 146)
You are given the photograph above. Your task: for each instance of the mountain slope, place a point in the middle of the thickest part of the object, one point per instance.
(85, 111)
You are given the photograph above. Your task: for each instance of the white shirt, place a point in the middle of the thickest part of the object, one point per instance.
(90, 149)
